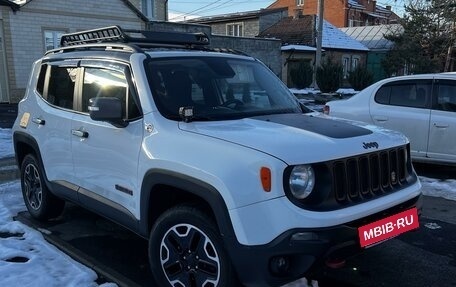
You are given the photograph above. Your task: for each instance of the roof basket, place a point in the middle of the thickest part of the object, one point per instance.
(115, 34)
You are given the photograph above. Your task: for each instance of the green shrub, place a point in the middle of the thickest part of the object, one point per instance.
(329, 76)
(360, 78)
(302, 75)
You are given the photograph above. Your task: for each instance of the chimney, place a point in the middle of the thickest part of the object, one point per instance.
(388, 7)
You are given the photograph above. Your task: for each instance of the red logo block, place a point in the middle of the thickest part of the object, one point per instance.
(388, 227)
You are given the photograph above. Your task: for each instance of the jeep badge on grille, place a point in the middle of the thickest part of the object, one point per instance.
(370, 145)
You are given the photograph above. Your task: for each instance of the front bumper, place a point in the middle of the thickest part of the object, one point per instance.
(298, 252)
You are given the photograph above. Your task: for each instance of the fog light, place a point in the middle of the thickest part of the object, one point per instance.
(280, 265)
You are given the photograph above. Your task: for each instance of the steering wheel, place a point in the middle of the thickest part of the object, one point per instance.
(233, 103)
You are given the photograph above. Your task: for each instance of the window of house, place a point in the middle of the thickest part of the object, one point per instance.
(299, 2)
(355, 62)
(235, 29)
(147, 7)
(346, 65)
(52, 39)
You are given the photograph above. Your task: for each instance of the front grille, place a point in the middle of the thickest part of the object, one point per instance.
(353, 180)
(364, 177)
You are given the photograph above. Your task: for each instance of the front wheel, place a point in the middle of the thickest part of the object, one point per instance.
(39, 200)
(185, 250)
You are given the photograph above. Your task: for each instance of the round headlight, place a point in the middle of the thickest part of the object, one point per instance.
(302, 181)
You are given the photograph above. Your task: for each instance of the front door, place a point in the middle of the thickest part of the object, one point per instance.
(3, 73)
(105, 157)
(406, 109)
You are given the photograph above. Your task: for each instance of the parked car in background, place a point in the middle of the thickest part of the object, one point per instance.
(423, 107)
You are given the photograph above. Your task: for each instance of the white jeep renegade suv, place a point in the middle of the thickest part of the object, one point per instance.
(209, 156)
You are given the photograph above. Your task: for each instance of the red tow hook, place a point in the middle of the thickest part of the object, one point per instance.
(335, 263)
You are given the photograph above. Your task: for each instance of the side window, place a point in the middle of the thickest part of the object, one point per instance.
(41, 79)
(446, 97)
(61, 86)
(383, 95)
(409, 94)
(401, 95)
(100, 82)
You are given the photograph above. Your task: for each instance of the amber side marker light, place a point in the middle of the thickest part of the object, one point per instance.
(265, 175)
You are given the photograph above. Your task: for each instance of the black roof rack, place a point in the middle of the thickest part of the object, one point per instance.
(115, 34)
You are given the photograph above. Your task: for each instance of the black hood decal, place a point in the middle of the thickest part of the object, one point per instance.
(322, 126)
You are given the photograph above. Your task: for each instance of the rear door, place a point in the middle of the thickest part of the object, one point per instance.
(405, 106)
(106, 157)
(50, 122)
(442, 139)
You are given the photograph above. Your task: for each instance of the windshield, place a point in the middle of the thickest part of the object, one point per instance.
(217, 88)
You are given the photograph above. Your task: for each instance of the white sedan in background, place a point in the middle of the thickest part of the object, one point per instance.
(423, 107)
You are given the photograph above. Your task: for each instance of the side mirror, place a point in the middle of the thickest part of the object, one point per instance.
(107, 109)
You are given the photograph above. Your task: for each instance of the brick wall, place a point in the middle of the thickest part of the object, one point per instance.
(266, 50)
(159, 8)
(268, 19)
(178, 27)
(25, 29)
(335, 11)
(251, 27)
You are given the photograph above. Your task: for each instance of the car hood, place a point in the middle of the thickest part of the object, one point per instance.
(300, 138)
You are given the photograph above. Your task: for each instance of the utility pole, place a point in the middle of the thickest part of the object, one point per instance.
(319, 32)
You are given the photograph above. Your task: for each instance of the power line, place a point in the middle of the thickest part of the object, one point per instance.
(198, 9)
(212, 6)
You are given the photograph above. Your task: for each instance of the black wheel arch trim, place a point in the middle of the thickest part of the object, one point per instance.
(21, 137)
(194, 186)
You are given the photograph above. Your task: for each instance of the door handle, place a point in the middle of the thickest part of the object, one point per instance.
(39, 121)
(440, 125)
(380, 118)
(79, 133)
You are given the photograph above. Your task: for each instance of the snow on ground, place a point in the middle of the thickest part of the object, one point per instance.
(439, 188)
(26, 259)
(6, 143)
(311, 91)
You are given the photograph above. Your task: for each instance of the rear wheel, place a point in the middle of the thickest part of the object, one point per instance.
(185, 250)
(40, 202)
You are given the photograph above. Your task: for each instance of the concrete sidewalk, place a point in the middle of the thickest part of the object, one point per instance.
(8, 169)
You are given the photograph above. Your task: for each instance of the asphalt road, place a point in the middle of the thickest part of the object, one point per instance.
(426, 257)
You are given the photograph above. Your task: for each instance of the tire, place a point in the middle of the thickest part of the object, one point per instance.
(186, 250)
(40, 202)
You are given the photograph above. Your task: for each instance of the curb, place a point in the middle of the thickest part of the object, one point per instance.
(8, 169)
